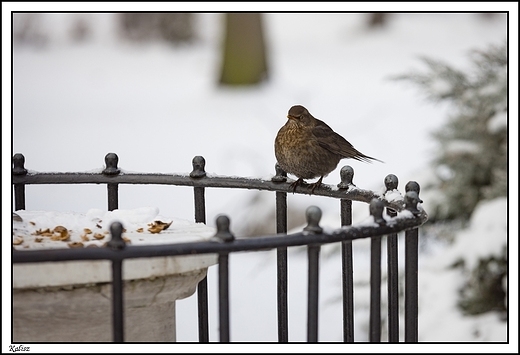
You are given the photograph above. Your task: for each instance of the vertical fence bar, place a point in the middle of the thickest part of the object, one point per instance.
(117, 243)
(391, 183)
(312, 301)
(375, 290)
(117, 300)
(198, 172)
(202, 302)
(19, 189)
(281, 269)
(200, 204)
(313, 215)
(111, 160)
(224, 236)
(281, 257)
(223, 292)
(19, 197)
(347, 275)
(347, 269)
(376, 211)
(411, 285)
(202, 287)
(393, 284)
(113, 200)
(411, 302)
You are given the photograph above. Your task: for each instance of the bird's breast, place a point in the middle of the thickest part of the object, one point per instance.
(291, 140)
(298, 152)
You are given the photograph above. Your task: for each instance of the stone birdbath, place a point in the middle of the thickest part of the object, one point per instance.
(71, 301)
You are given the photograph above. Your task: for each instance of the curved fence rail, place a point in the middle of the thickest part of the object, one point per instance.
(403, 214)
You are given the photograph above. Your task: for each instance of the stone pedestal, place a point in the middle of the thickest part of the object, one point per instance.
(72, 301)
(83, 312)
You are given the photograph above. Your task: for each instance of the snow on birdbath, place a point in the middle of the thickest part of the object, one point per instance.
(71, 301)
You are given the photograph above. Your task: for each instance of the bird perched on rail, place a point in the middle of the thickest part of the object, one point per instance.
(308, 148)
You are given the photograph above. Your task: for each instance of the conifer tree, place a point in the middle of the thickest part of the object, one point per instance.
(472, 158)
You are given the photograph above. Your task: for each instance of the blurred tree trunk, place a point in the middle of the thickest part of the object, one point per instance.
(244, 53)
(377, 19)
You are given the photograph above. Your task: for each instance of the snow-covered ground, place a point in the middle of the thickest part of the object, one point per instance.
(158, 106)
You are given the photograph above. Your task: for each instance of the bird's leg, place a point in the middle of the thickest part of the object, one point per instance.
(295, 184)
(316, 184)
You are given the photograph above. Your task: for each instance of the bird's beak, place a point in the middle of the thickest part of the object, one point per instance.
(291, 117)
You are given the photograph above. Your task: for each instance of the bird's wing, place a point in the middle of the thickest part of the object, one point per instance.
(333, 142)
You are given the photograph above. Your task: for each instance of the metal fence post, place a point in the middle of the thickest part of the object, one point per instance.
(117, 243)
(347, 269)
(281, 258)
(313, 215)
(391, 183)
(376, 210)
(412, 267)
(198, 172)
(223, 236)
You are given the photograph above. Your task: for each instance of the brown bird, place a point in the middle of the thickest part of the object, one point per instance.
(307, 147)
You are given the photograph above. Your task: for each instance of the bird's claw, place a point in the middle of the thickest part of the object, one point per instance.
(315, 185)
(300, 181)
(295, 184)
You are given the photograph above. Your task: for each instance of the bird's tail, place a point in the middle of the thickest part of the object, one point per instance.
(365, 158)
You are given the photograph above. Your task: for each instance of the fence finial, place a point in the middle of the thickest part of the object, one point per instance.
(18, 164)
(346, 174)
(412, 186)
(281, 175)
(376, 211)
(199, 164)
(313, 215)
(116, 242)
(391, 182)
(223, 233)
(111, 160)
(411, 199)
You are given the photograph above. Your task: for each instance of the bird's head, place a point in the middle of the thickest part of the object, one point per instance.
(299, 115)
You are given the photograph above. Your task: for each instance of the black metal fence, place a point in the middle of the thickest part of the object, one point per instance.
(224, 243)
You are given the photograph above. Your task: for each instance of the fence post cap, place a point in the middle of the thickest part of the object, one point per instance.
(347, 175)
(199, 164)
(223, 233)
(412, 186)
(391, 182)
(116, 242)
(313, 215)
(111, 160)
(376, 210)
(18, 164)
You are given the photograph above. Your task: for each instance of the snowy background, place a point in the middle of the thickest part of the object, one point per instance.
(157, 106)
